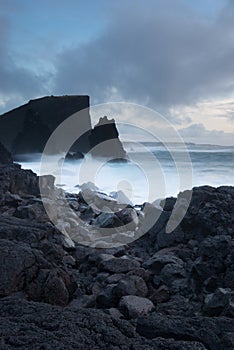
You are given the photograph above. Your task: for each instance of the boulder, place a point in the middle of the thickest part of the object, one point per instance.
(131, 285)
(133, 306)
(158, 261)
(216, 302)
(117, 265)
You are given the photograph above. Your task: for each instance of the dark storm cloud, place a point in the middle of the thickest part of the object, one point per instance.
(16, 82)
(161, 53)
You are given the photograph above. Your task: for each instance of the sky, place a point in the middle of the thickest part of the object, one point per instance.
(175, 57)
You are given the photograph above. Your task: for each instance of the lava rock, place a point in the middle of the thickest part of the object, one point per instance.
(118, 265)
(215, 303)
(5, 156)
(133, 306)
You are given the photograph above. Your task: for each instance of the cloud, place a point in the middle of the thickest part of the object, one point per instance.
(17, 83)
(197, 133)
(213, 114)
(161, 54)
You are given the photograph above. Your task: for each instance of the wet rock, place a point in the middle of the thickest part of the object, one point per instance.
(133, 306)
(107, 220)
(74, 155)
(168, 203)
(128, 216)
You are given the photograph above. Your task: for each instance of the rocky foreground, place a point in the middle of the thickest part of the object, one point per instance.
(163, 291)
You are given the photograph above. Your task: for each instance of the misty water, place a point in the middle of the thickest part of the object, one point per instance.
(153, 171)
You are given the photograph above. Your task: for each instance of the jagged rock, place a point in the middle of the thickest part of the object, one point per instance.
(215, 303)
(117, 265)
(158, 261)
(121, 197)
(104, 140)
(128, 216)
(187, 279)
(133, 306)
(106, 220)
(17, 181)
(131, 285)
(18, 264)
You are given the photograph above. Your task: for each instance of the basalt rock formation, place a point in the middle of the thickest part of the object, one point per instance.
(27, 128)
(5, 156)
(104, 140)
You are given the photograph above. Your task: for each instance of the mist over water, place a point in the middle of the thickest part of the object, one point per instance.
(151, 172)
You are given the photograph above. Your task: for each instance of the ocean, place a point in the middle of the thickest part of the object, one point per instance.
(153, 171)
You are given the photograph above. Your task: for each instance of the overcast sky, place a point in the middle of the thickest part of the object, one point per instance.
(173, 56)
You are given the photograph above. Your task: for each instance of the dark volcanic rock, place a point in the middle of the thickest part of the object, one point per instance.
(213, 333)
(43, 116)
(28, 325)
(115, 265)
(5, 156)
(181, 282)
(38, 131)
(18, 181)
(104, 140)
(133, 306)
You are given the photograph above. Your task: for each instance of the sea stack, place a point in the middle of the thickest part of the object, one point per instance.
(104, 140)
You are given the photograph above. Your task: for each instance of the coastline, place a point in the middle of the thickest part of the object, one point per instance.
(158, 291)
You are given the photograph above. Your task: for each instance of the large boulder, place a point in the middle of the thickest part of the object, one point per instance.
(133, 306)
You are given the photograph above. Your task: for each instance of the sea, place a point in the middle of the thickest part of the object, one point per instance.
(153, 170)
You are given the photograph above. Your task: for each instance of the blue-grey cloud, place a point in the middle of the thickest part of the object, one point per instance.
(17, 83)
(159, 53)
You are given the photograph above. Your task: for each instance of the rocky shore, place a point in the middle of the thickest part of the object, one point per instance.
(161, 291)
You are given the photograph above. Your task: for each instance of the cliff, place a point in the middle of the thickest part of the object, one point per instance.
(27, 128)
